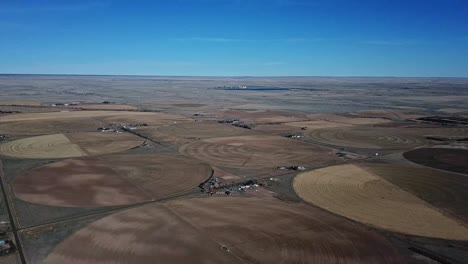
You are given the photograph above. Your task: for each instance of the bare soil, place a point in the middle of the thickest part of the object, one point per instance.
(110, 180)
(353, 192)
(449, 159)
(224, 230)
(258, 152)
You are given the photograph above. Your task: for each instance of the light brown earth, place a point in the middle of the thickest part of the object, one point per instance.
(53, 126)
(381, 137)
(367, 137)
(276, 128)
(316, 124)
(356, 193)
(194, 130)
(319, 121)
(110, 180)
(263, 117)
(443, 190)
(258, 152)
(69, 145)
(114, 117)
(393, 114)
(105, 107)
(20, 103)
(224, 230)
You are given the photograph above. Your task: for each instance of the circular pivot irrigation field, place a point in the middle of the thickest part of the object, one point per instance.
(224, 230)
(203, 130)
(52, 126)
(110, 180)
(366, 137)
(448, 159)
(257, 152)
(355, 192)
(69, 145)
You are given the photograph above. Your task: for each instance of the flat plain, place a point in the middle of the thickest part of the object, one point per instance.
(138, 169)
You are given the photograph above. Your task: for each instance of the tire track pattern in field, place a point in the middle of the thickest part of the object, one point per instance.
(224, 230)
(353, 192)
(257, 152)
(366, 138)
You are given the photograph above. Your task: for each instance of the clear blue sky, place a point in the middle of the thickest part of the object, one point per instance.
(236, 37)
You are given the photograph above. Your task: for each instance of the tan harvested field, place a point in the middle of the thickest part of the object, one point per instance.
(390, 114)
(319, 121)
(371, 137)
(20, 103)
(69, 145)
(317, 124)
(258, 152)
(110, 180)
(263, 117)
(97, 143)
(276, 128)
(115, 117)
(224, 230)
(49, 146)
(445, 191)
(356, 193)
(149, 118)
(53, 126)
(59, 115)
(105, 107)
(202, 130)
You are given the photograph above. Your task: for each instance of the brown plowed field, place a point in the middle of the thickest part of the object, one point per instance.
(69, 145)
(258, 152)
(356, 193)
(110, 180)
(446, 191)
(224, 230)
(448, 159)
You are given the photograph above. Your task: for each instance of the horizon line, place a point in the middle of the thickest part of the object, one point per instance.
(235, 76)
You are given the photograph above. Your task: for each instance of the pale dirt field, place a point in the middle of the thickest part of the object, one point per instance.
(224, 230)
(258, 152)
(381, 137)
(42, 147)
(110, 180)
(317, 124)
(393, 114)
(443, 190)
(21, 103)
(129, 117)
(261, 116)
(105, 107)
(53, 126)
(331, 120)
(97, 143)
(353, 192)
(367, 137)
(182, 133)
(69, 145)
